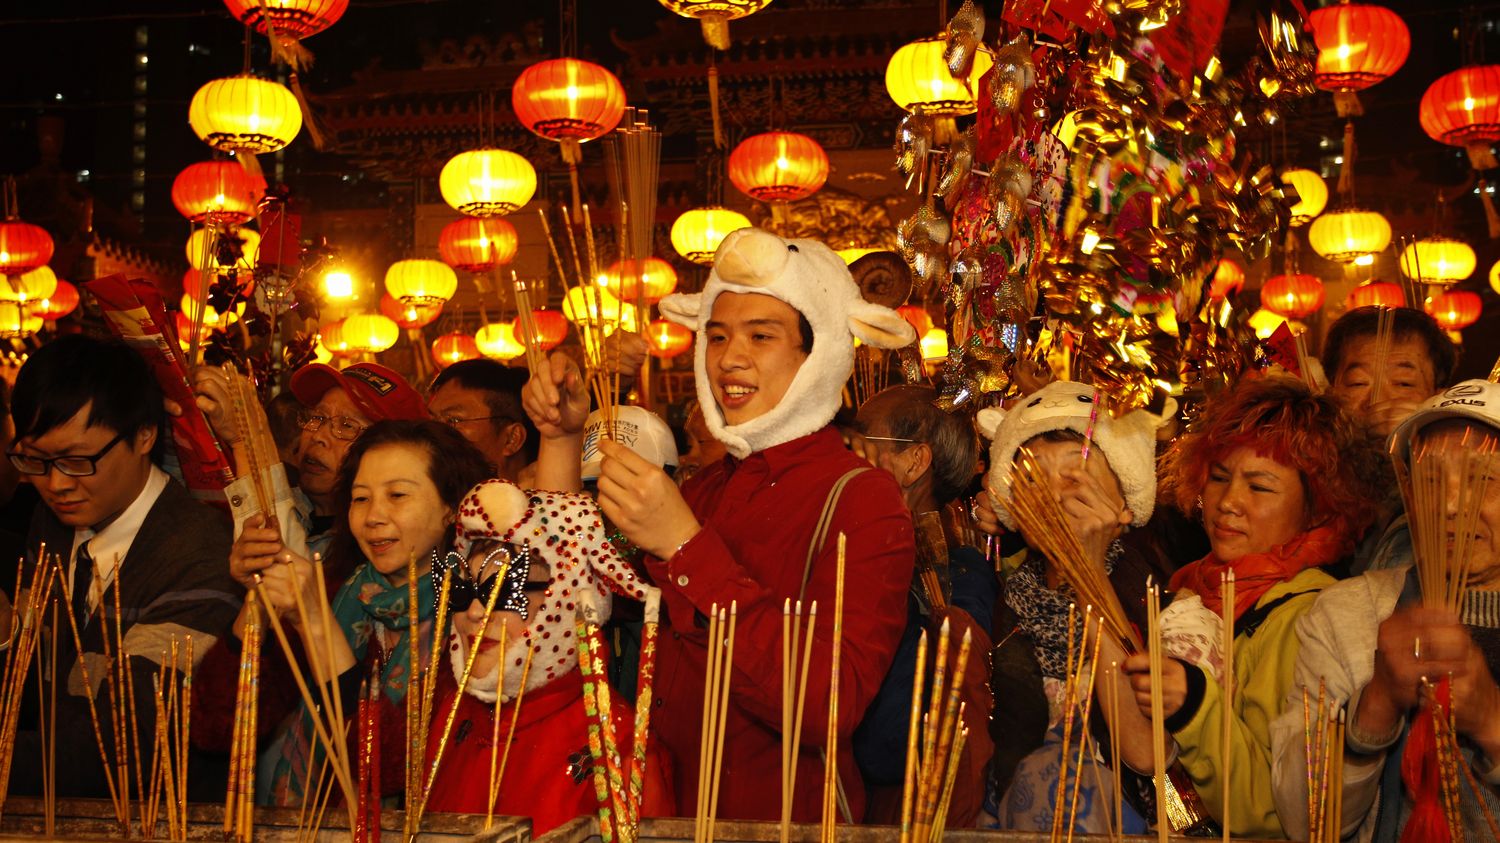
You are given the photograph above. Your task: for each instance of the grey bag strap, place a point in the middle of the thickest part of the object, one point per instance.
(820, 534)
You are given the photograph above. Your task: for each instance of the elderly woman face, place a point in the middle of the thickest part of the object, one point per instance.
(1252, 504)
(1457, 442)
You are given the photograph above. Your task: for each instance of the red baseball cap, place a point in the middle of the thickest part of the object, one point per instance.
(379, 392)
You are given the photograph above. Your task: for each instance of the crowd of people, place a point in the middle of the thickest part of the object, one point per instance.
(770, 489)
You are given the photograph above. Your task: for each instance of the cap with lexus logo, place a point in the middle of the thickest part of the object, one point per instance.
(1472, 399)
(380, 393)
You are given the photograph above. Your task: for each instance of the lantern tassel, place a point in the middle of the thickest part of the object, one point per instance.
(1480, 157)
(309, 119)
(713, 106)
(1347, 104)
(715, 31)
(1490, 216)
(290, 52)
(1346, 172)
(251, 165)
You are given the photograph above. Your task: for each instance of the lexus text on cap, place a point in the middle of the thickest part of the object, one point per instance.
(1472, 399)
(379, 392)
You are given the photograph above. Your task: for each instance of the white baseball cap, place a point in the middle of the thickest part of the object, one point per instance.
(636, 428)
(1472, 399)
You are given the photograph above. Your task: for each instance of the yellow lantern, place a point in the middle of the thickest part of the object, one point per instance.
(487, 182)
(592, 305)
(198, 242)
(497, 340)
(213, 320)
(33, 286)
(696, 234)
(368, 333)
(917, 78)
(1350, 235)
(331, 337)
(320, 353)
(1312, 195)
(421, 282)
(1438, 260)
(245, 114)
(1495, 277)
(935, 344)
(1265, 323)
(16, 322)
(714, 16)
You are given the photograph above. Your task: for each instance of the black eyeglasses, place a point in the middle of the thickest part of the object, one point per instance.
(71, 465)
(342, 427)
(455, 421)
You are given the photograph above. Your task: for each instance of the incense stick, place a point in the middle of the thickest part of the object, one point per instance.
(726, 672)
(1158, 718)
(830, 756)
(645, 679)
(510, 736)
(1226, 691)
(913, 724)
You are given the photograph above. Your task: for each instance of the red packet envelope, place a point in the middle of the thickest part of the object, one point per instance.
(1191, 37)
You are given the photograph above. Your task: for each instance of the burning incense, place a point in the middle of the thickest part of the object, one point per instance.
(1442, 541)
(1384, 322)
(1226, 688)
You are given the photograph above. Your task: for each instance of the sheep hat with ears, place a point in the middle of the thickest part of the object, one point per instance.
(814, 281)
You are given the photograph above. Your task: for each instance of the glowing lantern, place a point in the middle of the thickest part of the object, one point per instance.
(568, 100)
(667, 339)
(652, 277)
(1312, 195)
(199, 254)
(409, 316)
(1349, 235)
(1455, 309)
(1495, 277)
(217, 192)
(1358, 45)
(16, 322)
(778, 167)
(1377, 294)
(696, 234)
(212, 317)
(714, 16)
(1437, 260)
(31, 286)
(474, 244)
(1229, 277)
(295, 19)
(331, 337)
(934, 344)
(917, 316)
(54, 307)
(245, 114)
(338, 285)
(1292, 296)
(591, 305)
(1462, 108)
(1266, 322)
(487, 182)
(551, 328)
(498, 341)
(454, 348)
(854, 254)
(23, 247)
(917, 78)
(368, 333)
(421, 282)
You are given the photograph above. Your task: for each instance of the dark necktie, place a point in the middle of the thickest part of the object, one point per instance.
(83, 580)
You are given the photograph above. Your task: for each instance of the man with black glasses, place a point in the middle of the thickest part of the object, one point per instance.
(482, 400)
(88, 414)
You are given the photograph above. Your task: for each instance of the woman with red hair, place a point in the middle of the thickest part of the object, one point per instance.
(1285, 484)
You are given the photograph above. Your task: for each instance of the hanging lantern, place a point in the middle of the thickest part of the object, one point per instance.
(1229, 277)
(597, 305)
(1358, 45)
(54, 307)
(1454, 310)
(1462, 108)
(454, 348)
(1350, 235)
(16, 322)
(245, 114)
(487, 182)
(714, 16)
(23, 247)
(1292, 296)
(916, 315)
(249, 251)
(1266, 322)
(217, 192)
(778, 166)
(568, 100)
(498, 341)
(696, 234)
(331, 337)
(1312, 195)
(295, 19)
(475, 244)
(31, 286)
(423, 282)
(934, 344)
(1495, 277)
(409, 317)
(1376, 294)
(1438, 260)
(667, 339)
(320, 352)
(368, 333)
(917, 78)
(653, 278)
(551, 328)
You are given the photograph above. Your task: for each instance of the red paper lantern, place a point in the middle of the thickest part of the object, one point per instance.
(917, 316)
(1377, 294)
(1292, 296)
(656, 278)
(409, 316)
(568, 99)
(778, 167)
(474, 244)
(217, 191)
(290, 18)
(1455, 309)
(551, 328)
(667, 339)
(1358, 45)
(23, 247)
(1462, 108)
(454, 348)
(1229, 277)
(62, 302)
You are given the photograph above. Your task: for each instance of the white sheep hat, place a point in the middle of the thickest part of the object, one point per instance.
(811, 278)
(1128, 442)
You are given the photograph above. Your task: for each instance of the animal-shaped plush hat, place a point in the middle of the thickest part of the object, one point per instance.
(1128, 442)
(812, 279)
(566, 532)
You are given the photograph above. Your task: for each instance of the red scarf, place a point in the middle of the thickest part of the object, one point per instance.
(1257, 573)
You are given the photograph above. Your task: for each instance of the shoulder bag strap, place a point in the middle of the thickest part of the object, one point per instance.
(820, 534)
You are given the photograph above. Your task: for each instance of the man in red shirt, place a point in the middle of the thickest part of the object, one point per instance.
(776, 323)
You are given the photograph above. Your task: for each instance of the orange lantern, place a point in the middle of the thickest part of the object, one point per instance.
(1455, 309)
(23, 247)
(368, 333)
(551, 328)
(667, 339)
(654, 277)
(1292, 296)
(1462, 108)
(331, 337)
(454, 348)
(916, 315)
(288, 18)
(1376, 294)
(1358, 45)
(409, 316)
(1229, 277)
(778, 167)
(568, 100)
(62, 302)
(218, 192)
(475, 244)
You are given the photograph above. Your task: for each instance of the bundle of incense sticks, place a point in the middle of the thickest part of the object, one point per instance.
(207, 259)
(931, 768)
(633, 159)
(1226, 690)
(1304, 369)
(1442, 539)
(1158, 715)
(1044, 525)
(530, 337)
(117, 787)
(498, 775)
(30, 615)
(1383, 324)
(1449, 753)
(424, 691)
(794, 667)
(368, 827)
(239, 796)
(608, 783)
(1323, 732)
(47, 725)
(830, 753)
(644, 683)
(720, 664)
(255, 452)
(173, 684)
(1078, 693)
(1112, 687)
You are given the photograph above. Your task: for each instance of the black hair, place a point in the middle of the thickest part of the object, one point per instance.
(281, 414)
(1406, 323)
(911, 412)
(501, 386)
(70, 372)
(804, 328)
